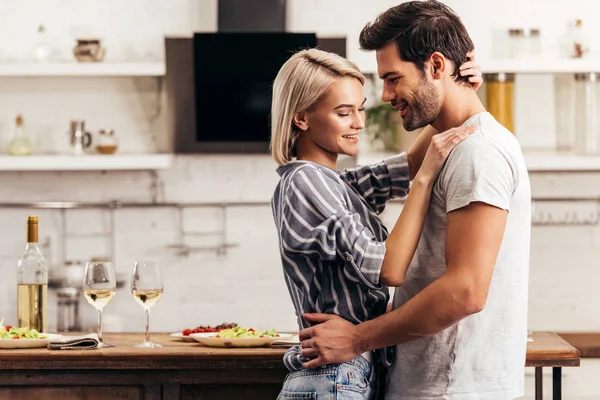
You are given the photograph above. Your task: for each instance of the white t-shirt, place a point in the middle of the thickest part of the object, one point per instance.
(483, 356)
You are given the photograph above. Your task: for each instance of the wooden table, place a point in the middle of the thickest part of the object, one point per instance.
(550, 350)
(588, 343)
(179, 370)
(187, 371)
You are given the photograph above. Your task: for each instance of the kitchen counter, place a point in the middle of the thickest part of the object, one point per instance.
(179, 370)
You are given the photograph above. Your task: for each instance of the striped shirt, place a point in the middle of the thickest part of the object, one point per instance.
(332, 242)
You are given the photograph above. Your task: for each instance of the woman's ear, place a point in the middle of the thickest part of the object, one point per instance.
(438, 64)
(301, 121)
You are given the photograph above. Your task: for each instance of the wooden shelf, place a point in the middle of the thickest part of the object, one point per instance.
(85, 162)
(84, 69)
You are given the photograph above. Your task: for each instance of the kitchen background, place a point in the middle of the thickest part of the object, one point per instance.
(219, 252)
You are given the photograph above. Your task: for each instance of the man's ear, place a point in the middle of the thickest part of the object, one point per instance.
(437, 65)
(301, 121)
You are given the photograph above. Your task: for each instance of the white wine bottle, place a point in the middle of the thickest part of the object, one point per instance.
(32, 282)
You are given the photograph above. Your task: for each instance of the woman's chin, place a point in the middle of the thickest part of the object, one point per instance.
(351, 151)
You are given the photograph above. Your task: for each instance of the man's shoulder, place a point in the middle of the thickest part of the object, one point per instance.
(485, 146)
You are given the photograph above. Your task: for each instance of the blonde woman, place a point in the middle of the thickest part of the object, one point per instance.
(336, 253)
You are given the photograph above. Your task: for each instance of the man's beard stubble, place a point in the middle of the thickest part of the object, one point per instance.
(424, 107)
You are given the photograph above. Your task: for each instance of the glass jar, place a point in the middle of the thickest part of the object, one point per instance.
(565, 108)
(524, 43)
(499, 97)
(587, 121)
(107, 142)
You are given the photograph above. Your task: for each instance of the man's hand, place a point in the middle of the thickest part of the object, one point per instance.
(333, 341)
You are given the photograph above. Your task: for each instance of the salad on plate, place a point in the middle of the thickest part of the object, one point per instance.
(11, 332)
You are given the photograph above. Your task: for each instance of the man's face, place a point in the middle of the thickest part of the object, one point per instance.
(406, 88)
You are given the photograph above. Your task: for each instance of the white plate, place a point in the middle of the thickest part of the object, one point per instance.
(27, 343)
(209, 339)
(179, 335)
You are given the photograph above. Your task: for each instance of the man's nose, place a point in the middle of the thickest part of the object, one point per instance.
(387, 95)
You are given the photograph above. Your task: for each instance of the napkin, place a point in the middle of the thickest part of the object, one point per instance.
(84, 342)
(286, 342)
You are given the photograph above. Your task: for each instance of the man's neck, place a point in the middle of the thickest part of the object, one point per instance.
(460, 104)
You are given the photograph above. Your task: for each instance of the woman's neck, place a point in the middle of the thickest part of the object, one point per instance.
(307, 150)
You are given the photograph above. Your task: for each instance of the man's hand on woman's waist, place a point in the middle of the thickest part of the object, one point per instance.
(333, 341)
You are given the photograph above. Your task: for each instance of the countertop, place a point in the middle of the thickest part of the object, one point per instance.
(175, 354)
(588, 343)
(546, 349)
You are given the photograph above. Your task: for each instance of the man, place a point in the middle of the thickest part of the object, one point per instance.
(460, 317)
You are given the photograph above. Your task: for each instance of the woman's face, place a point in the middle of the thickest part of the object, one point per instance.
(333, 125)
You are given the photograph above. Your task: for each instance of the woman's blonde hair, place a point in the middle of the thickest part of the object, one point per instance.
(300, 84)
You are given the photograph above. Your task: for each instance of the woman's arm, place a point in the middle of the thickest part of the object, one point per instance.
(403, 240)
(417, 151)
(379, 182)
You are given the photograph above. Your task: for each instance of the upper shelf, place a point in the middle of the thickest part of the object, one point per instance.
(540, 66)
(85, 162)
(536, 161)
(557, 162)
(84, 69)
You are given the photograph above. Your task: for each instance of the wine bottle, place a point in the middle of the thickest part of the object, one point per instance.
(32, 282)
(20, 145)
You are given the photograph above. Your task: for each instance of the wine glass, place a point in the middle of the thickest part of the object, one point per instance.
(99, 287)
(147, 289)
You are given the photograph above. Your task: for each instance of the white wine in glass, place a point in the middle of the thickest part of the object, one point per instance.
(147, 289)
(99, 287)
(147, 298)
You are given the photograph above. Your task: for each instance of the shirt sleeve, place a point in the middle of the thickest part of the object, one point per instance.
(478, 171)
(317, 221)
(380, 182)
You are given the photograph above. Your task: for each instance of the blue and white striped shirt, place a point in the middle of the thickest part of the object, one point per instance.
(332, 242)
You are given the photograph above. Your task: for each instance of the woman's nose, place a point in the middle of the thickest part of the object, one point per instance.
(358, 122)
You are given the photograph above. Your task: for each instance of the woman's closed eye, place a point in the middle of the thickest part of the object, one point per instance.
(362, 109)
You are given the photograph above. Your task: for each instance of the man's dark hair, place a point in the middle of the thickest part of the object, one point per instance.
(420, 28)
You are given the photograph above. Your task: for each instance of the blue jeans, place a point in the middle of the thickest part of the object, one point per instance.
(354, 380)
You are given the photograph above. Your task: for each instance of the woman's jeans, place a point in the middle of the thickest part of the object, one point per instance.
(354, 380)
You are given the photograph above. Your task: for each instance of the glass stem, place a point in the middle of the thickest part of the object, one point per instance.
(100, 325)
(147, 326)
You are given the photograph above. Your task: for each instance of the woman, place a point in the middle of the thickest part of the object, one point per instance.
(332, 243)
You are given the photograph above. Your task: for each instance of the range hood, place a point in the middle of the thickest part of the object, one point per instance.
(251, 15)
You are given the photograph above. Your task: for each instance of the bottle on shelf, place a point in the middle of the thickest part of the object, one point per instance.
(42, 50)
(32, 282)
(20, 145)
(580, 45)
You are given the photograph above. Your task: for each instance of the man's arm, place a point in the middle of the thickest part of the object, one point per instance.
(473, 237)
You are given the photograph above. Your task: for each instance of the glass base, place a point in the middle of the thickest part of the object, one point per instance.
(102, 344)
(148, 345)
